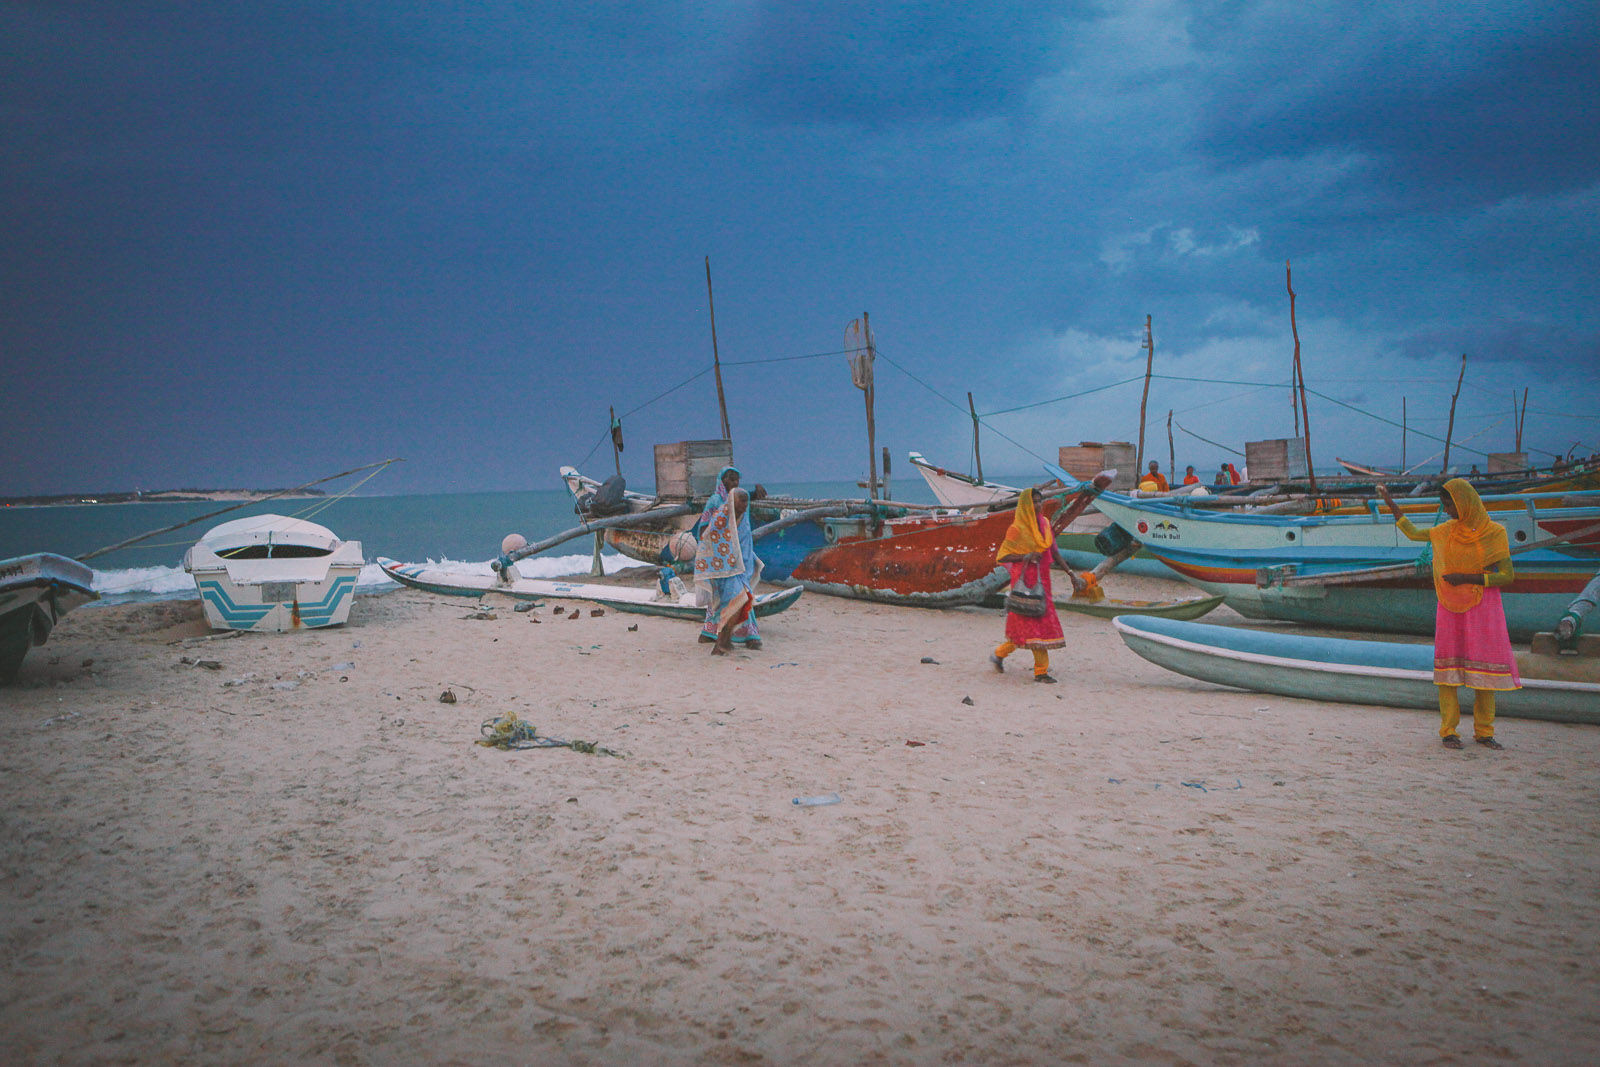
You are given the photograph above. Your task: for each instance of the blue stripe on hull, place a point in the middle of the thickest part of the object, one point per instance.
(313, 614)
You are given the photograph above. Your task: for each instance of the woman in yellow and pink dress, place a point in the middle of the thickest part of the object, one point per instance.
(1471, 563)
(1028, 551)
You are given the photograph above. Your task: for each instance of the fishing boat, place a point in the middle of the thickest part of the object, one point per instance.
(1076, 542)
(648, 542)
(1108, 608)
(959, 490)
(454, 581)
(1319, 569)
(35, 591)
(1363, 471)
(1381, 673)
(945, 560)
(274, 573)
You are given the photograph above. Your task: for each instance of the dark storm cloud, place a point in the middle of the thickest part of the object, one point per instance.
(875, 66)
(1509, 342)
(206, 206)
(1453, 103)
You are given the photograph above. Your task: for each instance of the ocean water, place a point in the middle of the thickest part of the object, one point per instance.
(457, 528)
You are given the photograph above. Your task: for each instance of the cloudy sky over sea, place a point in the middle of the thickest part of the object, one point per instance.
(256, 243)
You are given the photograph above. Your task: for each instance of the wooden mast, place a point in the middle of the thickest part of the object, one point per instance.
(1519, 417)
(1150, 347)
(1451, 429)
(1300, 378)
(872, 430)
(977, 453)
(716, 361)
(616, 441)
(1172, 455)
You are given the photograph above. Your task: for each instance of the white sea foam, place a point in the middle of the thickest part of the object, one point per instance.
(174, 583)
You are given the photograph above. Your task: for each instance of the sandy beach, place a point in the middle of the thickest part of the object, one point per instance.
(300, 855)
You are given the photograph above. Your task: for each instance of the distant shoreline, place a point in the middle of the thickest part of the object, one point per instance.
(159, 496)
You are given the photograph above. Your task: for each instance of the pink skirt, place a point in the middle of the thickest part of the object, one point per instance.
(1471, 647)
(1043, 632)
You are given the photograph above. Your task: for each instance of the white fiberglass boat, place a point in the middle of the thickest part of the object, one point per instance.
(271, 572)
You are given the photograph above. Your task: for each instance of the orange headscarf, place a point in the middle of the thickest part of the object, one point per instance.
(1023, 535)
(1467, 544)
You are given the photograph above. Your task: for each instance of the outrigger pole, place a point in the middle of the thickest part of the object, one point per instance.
(233, 507)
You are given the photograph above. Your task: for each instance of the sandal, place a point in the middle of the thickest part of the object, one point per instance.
(1045, 678)
(999, 664)
(752, 644)
(1489, 742)
(1452, 741)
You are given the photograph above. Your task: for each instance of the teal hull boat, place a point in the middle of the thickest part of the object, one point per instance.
(1380, 673)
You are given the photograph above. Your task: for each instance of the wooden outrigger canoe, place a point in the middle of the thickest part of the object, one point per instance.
(1287, 567)
(1187, 608)
(1381, 673)
(639, 601)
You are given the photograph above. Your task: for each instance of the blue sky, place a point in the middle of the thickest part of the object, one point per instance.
(256, 243)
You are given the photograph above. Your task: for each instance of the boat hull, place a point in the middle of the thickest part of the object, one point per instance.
(1236, 555)
(277, 607)
(638, 601)
(954, 490)
(35, 592)
(780, 553)
(274, 574)
(1377, 673)
(936, 561)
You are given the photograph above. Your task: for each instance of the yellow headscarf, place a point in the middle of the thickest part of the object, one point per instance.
(1467, 544)
(1023, 535)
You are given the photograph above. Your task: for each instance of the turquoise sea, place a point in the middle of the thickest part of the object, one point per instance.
(462, 528)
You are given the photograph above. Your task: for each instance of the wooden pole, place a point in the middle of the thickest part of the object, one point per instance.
(1294, 386)
(1402, 433)
(616, 453)
(872, 430)
(1172, 454)
(716, 361)
(1300, 378)
(977, 453)
(1451, 429)
(1149, 363)
(1522, 417)
(886, 471)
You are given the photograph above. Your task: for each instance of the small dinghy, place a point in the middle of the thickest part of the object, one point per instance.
(451, 582)
(35, 591)
(274, 573)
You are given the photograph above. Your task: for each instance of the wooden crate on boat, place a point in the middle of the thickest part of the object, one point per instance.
(1088, 458)
(687, 469)
(1507, 461)
(1280, 457)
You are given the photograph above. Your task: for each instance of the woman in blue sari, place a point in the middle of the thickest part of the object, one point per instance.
(726, 568)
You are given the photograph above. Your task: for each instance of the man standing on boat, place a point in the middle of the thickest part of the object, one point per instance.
(726, 568)
(1156, 476)
(1190, 477)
